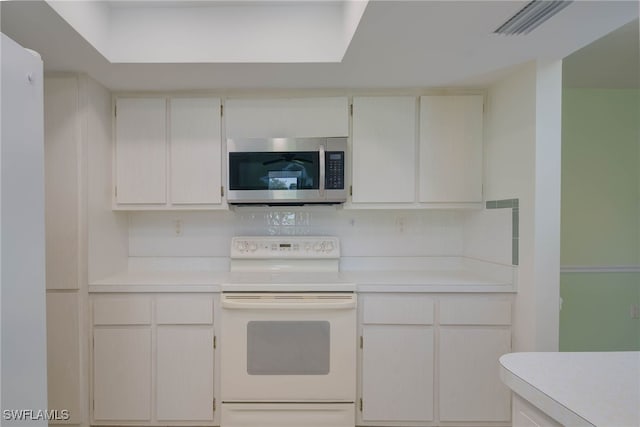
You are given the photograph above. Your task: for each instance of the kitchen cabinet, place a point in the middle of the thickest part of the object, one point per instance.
(287, 117)
(168, 153)
(195, 151)
(141, 151)
(383, 149)
(184, 358)
(121, 359)
(527, 415)
(153, 359)
(63, 354)
(474, 331)
(427, 359)
(397, 359)
(451, 148)
(66, 101)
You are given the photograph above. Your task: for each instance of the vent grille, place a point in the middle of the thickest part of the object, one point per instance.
(531, 16)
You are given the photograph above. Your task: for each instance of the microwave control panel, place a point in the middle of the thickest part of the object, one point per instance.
(334, 178)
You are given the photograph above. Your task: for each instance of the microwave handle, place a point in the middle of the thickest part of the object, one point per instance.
(322, 171)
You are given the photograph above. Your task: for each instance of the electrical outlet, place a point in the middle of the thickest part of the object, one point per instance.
(178, 227)
(634, 311)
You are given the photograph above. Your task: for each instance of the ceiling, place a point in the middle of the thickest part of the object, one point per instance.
(397, 44)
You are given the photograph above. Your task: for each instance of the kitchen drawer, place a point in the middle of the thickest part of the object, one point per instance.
(184, 310)
(398, 310)
(475, 311)
(122, 310)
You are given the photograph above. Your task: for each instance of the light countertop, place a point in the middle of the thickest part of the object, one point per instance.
(362, 281)
(578, 389)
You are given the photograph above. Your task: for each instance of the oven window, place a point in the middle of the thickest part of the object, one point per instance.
(298, 170)
(288, 348)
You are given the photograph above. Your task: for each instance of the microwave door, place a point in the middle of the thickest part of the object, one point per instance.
(275, 176)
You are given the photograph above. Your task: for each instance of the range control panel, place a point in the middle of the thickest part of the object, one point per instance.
(285, 247)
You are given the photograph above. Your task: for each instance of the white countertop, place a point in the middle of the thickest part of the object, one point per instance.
(370, 281)
(578, 389)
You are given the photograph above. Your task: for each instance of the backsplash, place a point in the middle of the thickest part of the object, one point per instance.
(362, 233)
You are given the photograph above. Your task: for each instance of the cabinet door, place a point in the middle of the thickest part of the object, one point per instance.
(196, 158)
(451, 148)
(184, 373)
(141, 151)
(384, 149)
(470, 386)
(287, 117)
(397, 373)
(122, 373)
(63, 354)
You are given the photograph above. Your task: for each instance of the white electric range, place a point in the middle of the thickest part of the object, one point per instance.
(288, 335)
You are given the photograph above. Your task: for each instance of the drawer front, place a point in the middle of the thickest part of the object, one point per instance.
(184, 310)
(475, 311)
(122, 310)
(398, 310)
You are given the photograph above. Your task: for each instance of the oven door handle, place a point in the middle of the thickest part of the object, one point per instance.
(277, 305)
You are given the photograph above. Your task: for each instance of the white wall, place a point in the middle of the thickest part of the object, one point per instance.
(488, 235)
(23, 330)
(362, 233)
(522, 160)
(107, 239)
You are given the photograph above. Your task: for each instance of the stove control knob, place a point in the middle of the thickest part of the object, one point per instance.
(317, 247)
(328, 246)
(253, 247)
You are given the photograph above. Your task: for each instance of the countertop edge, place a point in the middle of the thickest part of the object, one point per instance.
(217, 288)
(541, 400)
(122, 288)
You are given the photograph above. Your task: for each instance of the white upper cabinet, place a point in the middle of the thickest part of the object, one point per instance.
(141, 151)
(168, 165)
(451, 149)
(195, 151)
(384, 149)
(286, 117)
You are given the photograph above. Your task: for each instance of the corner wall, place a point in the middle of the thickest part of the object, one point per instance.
(522, 161)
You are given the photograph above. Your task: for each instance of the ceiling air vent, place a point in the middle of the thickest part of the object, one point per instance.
(531, 16)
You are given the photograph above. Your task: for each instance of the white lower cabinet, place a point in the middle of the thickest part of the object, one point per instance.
(527, 415)
(122, 373)
(428, 359)
(474, 331)
(153, 359)
(397, 373)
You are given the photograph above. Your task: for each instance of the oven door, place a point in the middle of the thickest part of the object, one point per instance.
(297, 347)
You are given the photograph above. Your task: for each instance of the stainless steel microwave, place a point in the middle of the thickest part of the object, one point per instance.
(286, 171)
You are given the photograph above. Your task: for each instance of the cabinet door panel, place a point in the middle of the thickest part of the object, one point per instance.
(287, 117)
(61, 157)
(63, 353)
(384, 148)
(397, 373)
(196, 156)
(122, 373)
(470, 386)
(451, 148)
(184, 373)
(141, 150)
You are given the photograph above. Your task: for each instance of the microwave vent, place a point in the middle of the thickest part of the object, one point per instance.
(531, 16)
